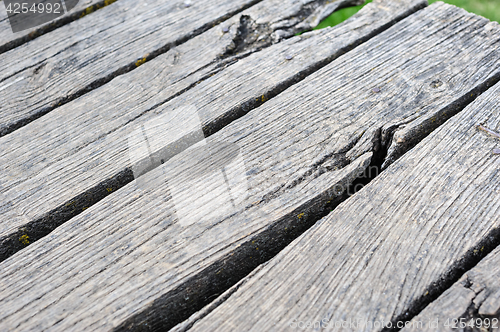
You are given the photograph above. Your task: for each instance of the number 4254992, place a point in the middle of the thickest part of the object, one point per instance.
(23, 8)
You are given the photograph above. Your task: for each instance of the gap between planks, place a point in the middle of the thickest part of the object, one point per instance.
(395, 247)
(85, 54)
(139, 245)
(10, 40)
(472, 302)
(108, 44)
(74, 143)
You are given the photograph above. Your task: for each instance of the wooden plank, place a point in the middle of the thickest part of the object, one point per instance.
(473, 301)
(385, 252)
(89, 52)
(88, 137)
(10, 40)
(406, 134)
(148, 257)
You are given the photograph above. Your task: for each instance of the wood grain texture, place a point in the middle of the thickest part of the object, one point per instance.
(386, 251)
(10, 40)
(89, 52)
(88, 138)
(148, 256)
(171, 255)
(475, 296)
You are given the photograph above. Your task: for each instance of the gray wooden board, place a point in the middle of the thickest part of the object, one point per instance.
(10, 40)
(473, 301)
(380, 255)
(80, 150)
(92, 50)
(138, 260)
(147, 256)
(89, 52)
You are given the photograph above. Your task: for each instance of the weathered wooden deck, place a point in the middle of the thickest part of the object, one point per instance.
(191, 165)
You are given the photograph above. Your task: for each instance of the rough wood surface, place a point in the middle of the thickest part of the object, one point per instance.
(384, 253)
(473, 301)
(88, 138)
(148, 257)
(110, 263)
(89, 52)
(10, 40)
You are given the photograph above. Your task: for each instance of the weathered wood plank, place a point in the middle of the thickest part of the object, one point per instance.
(406, 134)
(473, 301)
(10, 40)
(88, 137)
(382, 254)
(89, 52)
(148, 257)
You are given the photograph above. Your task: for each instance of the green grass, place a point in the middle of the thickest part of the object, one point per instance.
(487, 8)
(340, 16)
